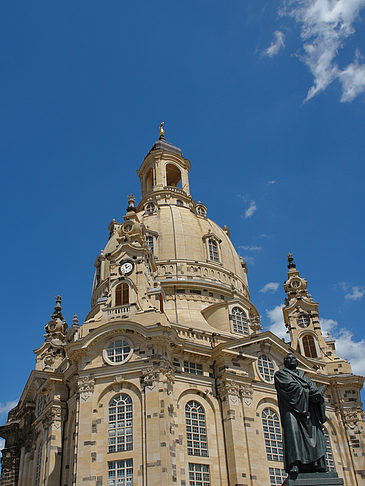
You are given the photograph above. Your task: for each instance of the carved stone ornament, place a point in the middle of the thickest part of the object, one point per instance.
(351, 417)
(247, 395)
(229, 390)
(161, 372)
(85, 386)
(53, 418)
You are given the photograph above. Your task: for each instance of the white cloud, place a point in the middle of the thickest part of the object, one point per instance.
(250, 248)
(271, 182)
(346, 346)
(2, 444)
(270, 287)
(276, 318)
(354, 292)
(325, 25)
(251, 209)
(276, 45)
(327, 325)
(6, 407)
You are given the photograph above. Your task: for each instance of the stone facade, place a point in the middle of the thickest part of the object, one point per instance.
(170, 378)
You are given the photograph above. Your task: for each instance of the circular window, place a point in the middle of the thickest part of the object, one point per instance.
(201, 211)
(266, 368)
(149, 208)
(127, 228)
(118, 351)
(304, 320)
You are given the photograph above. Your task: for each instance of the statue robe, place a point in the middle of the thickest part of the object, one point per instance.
(302, 413)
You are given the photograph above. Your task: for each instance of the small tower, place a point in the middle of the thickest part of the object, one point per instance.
(301, 318)
(51, 353)
(164, 170)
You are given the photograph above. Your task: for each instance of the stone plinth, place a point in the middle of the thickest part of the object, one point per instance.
(314, 479)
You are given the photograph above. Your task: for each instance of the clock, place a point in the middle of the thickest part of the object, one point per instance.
(295, 283)
(126, 268)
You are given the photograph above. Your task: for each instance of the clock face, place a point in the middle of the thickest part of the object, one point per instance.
(295, 284)
(126, 268)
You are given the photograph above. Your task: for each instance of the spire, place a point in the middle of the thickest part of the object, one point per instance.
(291, 263)
(131, 203)
(57, 314)
(75, 321)
(56, 327)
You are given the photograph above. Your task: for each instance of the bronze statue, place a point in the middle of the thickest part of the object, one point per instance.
(302, 413)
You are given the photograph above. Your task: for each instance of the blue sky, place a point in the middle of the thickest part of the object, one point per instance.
(265, 98)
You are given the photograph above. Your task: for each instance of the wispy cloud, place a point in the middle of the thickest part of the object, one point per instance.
(251, 209)
(250, 248)
(6, 407)
(273, 181)
(325, 25)
(346, 346)
(270, 287)
(355, 293)
(249, 259)
(276, 319)
(352, 292)
(277, 44)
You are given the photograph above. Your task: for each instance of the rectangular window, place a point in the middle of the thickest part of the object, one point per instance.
(213, 250)
(150, 243)
(196, 292)
(277, 476)
(199, 475)
(180, 291)
(120, 473)
(193, 368)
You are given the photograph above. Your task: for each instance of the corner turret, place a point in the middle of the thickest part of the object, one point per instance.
(301, 318)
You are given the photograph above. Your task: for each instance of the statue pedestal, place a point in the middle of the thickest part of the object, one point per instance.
(314, 479)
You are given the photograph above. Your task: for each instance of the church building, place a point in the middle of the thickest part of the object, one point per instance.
(169, 380)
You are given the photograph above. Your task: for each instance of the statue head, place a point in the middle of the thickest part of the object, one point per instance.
(290, 361)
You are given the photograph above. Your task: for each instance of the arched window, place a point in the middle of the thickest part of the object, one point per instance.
(266, 368)
(38, 469)
(329, 456)
(122, 294)
(213, 250)
(173, 175)
(120, 423)
(201, 211)
(272, 435)
(309, 346)
(239, 321)
(196, 429)
(149, 181)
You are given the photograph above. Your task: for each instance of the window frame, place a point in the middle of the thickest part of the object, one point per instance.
(109, 344)
(263, 374)
(196, 429)
(272, 434)
(123, 294)
(126, 408)
(126, 467)
(235, 323)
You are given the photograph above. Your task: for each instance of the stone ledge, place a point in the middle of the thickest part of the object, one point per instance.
(314, 479)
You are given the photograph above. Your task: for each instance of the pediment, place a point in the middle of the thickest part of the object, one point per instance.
(265, 340)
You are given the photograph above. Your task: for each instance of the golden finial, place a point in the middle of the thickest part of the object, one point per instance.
(162, 131)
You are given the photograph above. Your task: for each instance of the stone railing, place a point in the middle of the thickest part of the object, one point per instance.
(176, 189)
(117, 311)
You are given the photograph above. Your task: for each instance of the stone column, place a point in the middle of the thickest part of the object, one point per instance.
(158, 410)
(234, 430)
(53, 425)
